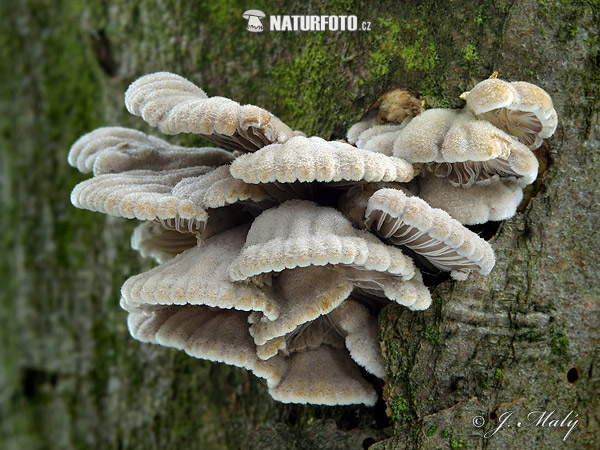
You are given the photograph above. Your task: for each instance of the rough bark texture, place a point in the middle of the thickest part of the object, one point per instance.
(523, 339)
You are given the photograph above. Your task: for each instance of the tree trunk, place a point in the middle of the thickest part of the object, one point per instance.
(522, 340)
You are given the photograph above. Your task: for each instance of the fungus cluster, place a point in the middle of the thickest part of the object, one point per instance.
(474, 161)
(275, 252)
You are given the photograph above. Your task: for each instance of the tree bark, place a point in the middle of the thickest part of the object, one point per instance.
(522, 340)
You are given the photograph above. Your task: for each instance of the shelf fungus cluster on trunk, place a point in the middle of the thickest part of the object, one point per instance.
(275, 254)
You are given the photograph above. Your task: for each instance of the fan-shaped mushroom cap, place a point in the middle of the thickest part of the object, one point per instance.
(495, 200)
(325, 376)
(177, 198)
(471, 150)
(349, 325)
(144, 195)
(118, 149)
(521, 109)
(206, 333)
(302, 294)
(224, 198)
(314, 159)
(421, 139)
(356, 130)
(307, 336)
(412, 293)
(431, 232)
(302, 233)
(218, 188)
(361, 335)
(305, 294)
(379, 138)
(198, 276)
(153, 240)
(176, 105)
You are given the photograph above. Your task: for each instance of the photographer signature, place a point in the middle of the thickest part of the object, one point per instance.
(534, 418)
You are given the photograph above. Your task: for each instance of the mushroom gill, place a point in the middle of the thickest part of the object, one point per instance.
(409, 221)
(203, 332)
(521, 109)
(152, 240)
(144, 195)
(463, 149)
(176, 105)
(117, 149)
(176, 198)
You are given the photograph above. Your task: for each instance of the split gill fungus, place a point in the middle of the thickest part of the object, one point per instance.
(276, 252)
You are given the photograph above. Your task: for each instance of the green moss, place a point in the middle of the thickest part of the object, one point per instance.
(498, 375)
(543, 9)
(306, 84)
(458, 444)
(431, 334)
(401, 410)
(559, 344)
(469, 53)
(416, 54)
(432, 430)
(534, 335)
(446, 432)
(420, 56)
(483, 381)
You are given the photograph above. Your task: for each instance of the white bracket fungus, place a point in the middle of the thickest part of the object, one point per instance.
(301, 233)
(176, 105)
(485, 148)
(215, 334)
(480, 203)
(155, 241)
(118, 149)
(143, 195)
(254, 275)
(198, 276)
(464, 149)
(314, 159)
(411, 222)
(521, 109)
